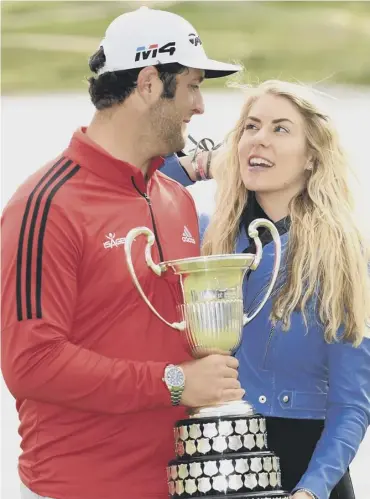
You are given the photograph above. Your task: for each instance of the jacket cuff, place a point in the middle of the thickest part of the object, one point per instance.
(314, 485)
(173, 169)
(311, 494)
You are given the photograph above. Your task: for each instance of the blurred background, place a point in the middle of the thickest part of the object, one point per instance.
(46, 45)
(44, 60)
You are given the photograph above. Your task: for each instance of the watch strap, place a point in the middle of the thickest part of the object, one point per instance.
(176, 394)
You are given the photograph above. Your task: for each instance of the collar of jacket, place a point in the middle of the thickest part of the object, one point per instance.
(253, 210)
(90, 155)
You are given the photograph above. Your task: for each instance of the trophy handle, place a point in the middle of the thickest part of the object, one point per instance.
(157, 269)
(253, 233)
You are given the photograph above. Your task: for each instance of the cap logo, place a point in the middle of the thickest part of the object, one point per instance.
(145, 52)
(194, 39)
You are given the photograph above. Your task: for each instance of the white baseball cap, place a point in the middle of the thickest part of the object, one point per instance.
(148, 37)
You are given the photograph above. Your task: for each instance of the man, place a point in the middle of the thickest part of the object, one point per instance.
(99, 379)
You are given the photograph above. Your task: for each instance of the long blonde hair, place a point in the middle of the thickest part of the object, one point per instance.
(327, 255)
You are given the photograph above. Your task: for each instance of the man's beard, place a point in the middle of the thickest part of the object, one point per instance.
(166, 124)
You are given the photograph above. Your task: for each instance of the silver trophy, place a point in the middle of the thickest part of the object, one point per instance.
(212, 310)
(220, 450)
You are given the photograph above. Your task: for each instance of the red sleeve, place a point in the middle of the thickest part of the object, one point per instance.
(40, 259)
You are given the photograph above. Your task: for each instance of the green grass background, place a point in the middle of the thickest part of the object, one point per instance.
(46, 45)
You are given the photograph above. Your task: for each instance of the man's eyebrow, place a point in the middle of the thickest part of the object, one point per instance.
(278, 120)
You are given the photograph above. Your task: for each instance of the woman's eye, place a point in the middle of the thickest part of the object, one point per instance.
(195, 87)
(281, 129)
(250, 126)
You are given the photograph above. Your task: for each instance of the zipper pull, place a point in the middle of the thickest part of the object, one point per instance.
(147, 198)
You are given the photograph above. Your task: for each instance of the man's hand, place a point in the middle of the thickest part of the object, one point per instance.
(211, 380)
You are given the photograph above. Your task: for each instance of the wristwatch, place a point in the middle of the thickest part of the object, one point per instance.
(174, 378)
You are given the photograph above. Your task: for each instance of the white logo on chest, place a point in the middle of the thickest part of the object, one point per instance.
(187, 237)
(112, 241)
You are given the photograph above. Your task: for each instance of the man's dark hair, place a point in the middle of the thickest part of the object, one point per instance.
(114, 87)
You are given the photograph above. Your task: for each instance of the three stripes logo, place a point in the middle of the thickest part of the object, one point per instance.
(187, 237)
(31, 238)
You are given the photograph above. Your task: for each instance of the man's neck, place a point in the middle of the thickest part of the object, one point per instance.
(127, 142)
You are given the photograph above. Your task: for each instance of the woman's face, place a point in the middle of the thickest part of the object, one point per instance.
(272, 149)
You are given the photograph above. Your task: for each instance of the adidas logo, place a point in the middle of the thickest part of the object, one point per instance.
(187, 237)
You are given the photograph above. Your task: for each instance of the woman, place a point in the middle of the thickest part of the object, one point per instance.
(305, 359)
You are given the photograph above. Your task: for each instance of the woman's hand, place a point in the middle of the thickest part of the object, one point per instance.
(185, 162)
(301, 495)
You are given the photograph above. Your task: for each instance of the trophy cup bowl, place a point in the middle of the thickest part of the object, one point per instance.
(220, 449)
(212, 309)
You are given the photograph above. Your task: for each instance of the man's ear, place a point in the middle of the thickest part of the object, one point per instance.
(149, 84)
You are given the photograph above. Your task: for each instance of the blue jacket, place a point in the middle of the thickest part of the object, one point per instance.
(296, 374)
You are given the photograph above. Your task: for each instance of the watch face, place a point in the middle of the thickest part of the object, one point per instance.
(175, 377)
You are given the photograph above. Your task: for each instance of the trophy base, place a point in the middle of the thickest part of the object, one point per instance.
(253, 475)
(224, 456)
(278, 494)
(233, 408)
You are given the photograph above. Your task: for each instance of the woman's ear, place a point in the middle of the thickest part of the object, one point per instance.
(310, 163)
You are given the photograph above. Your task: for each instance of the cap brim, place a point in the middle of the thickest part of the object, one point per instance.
(214, 69)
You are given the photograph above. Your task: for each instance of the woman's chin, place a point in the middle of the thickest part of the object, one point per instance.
(255, 186)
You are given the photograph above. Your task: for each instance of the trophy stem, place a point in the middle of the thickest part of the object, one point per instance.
(233, 408)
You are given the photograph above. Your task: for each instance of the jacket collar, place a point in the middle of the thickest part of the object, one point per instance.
(253, 210)
(90, 155)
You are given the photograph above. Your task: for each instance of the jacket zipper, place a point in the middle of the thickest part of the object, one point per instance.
(272, 329)
(147, 199)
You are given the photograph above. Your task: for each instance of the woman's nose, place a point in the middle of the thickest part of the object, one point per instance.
(262, 137)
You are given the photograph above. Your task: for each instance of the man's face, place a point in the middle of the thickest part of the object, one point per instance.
(169, 116)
